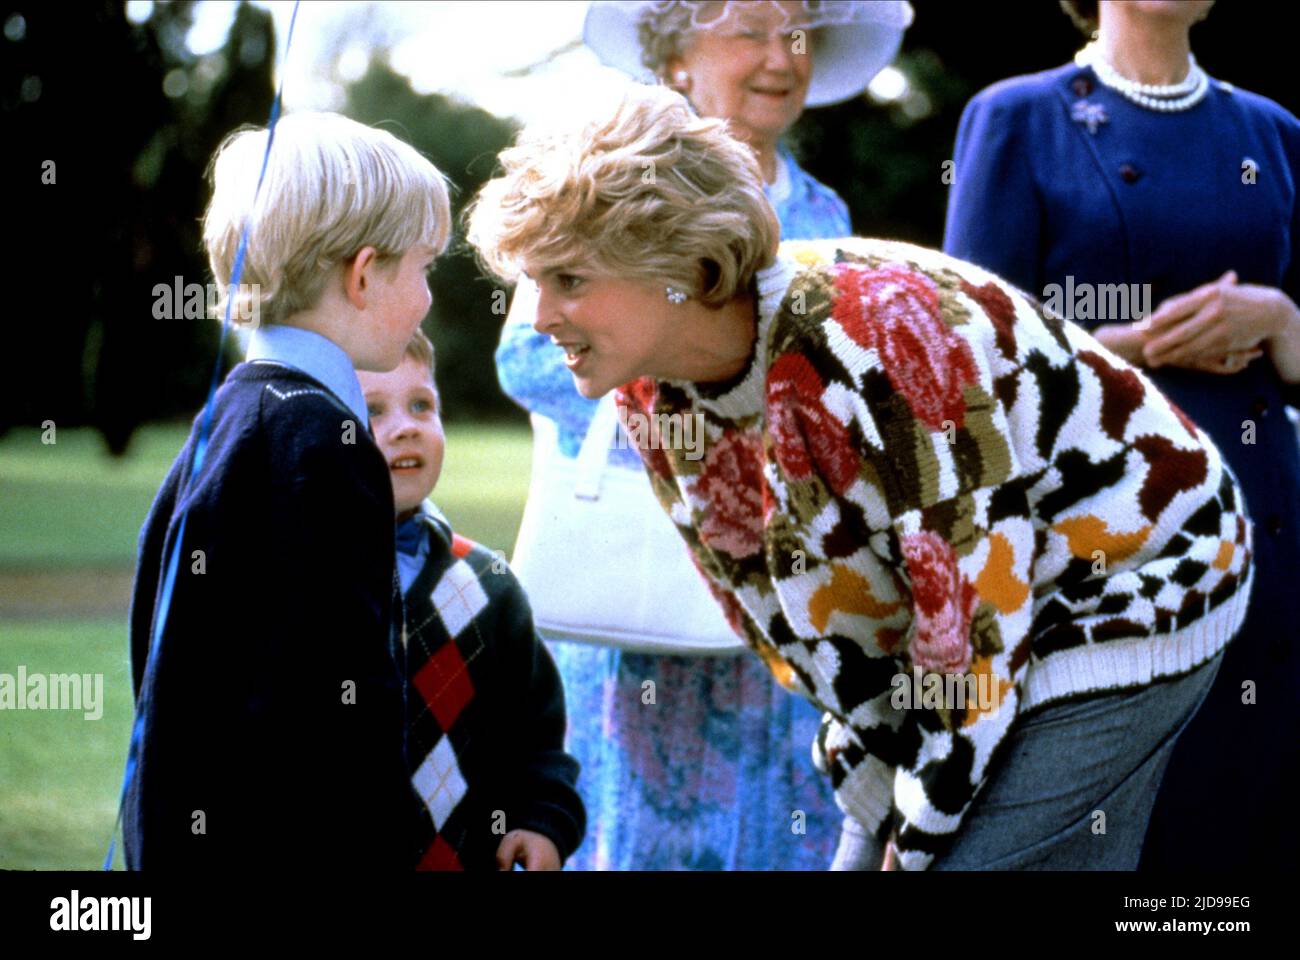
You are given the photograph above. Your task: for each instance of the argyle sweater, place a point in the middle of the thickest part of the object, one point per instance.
(920, 478)
(485, 711)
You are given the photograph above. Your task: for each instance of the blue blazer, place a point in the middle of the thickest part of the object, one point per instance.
(1060, 180)
(1141, 197)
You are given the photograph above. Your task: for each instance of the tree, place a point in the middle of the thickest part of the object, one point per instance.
(129, 117)
(463, 142)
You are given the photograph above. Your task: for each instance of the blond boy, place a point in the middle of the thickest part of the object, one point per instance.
(273, 703)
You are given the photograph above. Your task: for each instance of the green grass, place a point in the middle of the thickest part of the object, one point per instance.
(485, 482)
(69, 504)
(60, 773)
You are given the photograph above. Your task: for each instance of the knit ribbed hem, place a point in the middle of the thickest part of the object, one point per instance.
(1120, 664)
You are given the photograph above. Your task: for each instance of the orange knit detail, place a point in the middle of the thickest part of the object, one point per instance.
(461, 546)
(988, 685)
(997, 582)
(1090, 533)
(781, 671)
(848, 591)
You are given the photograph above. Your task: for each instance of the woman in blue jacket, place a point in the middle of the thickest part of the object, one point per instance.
(1130, 178)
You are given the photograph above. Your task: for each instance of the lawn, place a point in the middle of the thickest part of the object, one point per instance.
(69, 507)
(60, 772)
(68, 504)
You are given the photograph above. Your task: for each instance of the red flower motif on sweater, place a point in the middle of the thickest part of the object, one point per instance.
(806, 436)
(944, 604)
(1001, 312)
(730, 490)
(639, 397)
(895, 311)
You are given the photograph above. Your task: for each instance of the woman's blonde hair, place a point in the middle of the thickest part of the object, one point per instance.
(652, 193)
(332, 186)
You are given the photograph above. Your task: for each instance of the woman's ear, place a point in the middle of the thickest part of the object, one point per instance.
(710, 274)
(676, 77)
(357, 276)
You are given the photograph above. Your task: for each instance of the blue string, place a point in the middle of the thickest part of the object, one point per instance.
(200, 450)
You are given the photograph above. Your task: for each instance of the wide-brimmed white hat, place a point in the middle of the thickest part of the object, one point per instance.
(859, 40)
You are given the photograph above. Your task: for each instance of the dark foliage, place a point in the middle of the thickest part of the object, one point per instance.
(130, 117)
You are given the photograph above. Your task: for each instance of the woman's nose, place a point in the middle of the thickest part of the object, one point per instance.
(780, 55)
(547, 316)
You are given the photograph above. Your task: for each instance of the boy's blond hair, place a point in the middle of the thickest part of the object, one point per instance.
(332, 186)
(652, 192)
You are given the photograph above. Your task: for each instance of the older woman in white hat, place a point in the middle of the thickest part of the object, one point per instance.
(757, 65)
(689, 761)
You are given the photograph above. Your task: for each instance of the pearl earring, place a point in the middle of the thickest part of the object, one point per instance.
(680, 78)
(675, 296)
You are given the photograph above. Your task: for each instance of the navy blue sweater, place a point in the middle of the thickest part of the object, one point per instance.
(274, 701)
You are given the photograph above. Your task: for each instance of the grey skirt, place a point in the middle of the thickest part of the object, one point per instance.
(1072, 788)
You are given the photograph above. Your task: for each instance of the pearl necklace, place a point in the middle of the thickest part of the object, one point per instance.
(1166, 98)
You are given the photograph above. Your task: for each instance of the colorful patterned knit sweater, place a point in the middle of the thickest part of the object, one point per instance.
(918, 473)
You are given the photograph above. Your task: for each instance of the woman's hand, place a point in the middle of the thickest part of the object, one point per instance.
(1219, 327)
(1227, 364)
(1125, 340)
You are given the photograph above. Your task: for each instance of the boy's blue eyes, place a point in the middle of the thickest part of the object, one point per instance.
(417, 406)
(567, 281)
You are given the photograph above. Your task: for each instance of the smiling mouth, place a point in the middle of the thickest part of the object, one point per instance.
(401, 464)
(573, 352)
